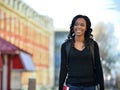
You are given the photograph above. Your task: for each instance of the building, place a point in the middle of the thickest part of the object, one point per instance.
(33, 33)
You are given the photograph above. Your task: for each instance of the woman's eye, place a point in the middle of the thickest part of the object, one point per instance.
(79, 24)
(82, 25)
(76, 24)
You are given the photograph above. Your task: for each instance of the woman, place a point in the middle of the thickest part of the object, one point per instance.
(79, 71)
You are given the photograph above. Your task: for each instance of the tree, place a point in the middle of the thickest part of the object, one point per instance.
(104, 34)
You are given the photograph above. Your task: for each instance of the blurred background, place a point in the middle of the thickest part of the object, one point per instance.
(31, 34)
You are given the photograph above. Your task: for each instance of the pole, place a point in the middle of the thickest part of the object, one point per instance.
(5, 72)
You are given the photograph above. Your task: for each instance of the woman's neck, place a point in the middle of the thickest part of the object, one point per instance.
(79, 38)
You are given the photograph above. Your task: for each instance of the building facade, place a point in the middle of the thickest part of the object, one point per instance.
(26, 29)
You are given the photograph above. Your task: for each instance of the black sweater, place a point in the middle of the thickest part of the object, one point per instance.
(80, 68)
(72, 75)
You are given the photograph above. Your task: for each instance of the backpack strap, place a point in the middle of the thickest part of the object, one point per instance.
(67, 47)
(92, 53)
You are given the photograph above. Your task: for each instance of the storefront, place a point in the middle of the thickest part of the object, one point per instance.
(13, 61)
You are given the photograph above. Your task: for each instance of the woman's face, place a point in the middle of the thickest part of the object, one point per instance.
(79, 27)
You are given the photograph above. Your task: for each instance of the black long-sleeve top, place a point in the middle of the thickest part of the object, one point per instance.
(64, 69)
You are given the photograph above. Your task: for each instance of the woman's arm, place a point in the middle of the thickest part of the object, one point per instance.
(63, 67)
(99, 71)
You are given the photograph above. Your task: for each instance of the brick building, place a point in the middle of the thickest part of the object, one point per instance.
(26, 29)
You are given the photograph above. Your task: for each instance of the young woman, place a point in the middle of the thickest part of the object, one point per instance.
(79, 70)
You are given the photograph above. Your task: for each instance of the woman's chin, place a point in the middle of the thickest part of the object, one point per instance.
(78, 34)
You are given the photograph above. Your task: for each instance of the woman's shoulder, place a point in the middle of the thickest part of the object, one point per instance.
(95, 43)
(63, 44)
(67, 42)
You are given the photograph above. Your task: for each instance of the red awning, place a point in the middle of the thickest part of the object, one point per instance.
(17, 63)
(7, 48)
(21, 59)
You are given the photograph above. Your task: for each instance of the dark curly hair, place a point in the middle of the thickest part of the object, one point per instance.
(88, 35)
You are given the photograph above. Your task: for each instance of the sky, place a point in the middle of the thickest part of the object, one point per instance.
(62, 11)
